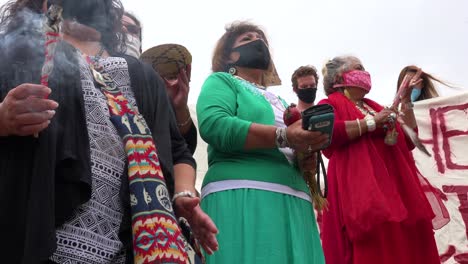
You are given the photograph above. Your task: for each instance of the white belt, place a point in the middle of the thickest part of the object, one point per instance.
(248, 184)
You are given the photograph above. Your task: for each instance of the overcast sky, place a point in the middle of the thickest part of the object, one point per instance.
(385, 35)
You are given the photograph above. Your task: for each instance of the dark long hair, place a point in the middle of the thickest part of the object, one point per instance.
(10, 10)
(105, 17)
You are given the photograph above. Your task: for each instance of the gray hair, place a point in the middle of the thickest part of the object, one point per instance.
(335, 67)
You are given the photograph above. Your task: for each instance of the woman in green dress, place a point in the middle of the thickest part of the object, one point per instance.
(252, 189)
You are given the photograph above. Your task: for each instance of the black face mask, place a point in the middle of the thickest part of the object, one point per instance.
(307, 95)
(92, 13)
(253, 55)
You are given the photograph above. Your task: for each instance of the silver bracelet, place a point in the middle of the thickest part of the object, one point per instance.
(183, 194)
(370, 122)
(281, 138)
(358, 121)
(185, 122)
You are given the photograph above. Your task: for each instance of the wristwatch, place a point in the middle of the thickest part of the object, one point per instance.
(370, 122)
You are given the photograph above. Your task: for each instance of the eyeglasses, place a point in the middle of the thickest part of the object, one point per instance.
(133, 29)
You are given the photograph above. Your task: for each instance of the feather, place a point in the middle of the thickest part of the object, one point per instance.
(415, 139)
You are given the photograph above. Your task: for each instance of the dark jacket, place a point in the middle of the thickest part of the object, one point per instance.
(43, 180)
(191, 138)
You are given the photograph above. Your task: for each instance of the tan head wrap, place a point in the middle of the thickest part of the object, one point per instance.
(167, 59)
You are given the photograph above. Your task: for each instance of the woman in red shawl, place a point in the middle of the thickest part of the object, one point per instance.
(377, 210)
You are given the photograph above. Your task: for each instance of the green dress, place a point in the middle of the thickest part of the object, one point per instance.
(256, 224)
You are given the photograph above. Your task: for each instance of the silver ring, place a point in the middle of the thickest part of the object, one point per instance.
(309, 148)
(391, 117)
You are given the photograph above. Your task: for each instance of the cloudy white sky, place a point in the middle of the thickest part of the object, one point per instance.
(385, 35)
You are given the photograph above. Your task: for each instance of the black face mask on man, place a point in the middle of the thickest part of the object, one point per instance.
(253, 55)
(307, 95)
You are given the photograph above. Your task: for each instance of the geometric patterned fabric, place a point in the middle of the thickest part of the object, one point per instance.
(156, 236)
(91, 234)
(167, 59)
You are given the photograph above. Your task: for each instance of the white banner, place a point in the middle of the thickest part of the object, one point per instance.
(443, 128)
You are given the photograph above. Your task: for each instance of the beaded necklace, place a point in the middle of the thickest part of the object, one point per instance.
(365, 108)
(273, 99)
(98, 55)
(361, 105)
(252, 83)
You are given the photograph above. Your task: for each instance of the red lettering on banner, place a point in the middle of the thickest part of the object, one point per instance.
(462, 258)
(462, 194)
(438, 120)
(448, 254)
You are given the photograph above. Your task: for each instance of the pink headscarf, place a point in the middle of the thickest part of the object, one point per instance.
(356, 78)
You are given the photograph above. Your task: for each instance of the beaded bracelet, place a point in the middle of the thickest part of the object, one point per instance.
(281, 139)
